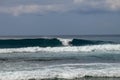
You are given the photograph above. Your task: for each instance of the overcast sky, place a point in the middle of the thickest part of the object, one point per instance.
(59, 17)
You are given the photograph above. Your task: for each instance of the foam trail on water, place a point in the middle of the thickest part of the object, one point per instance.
(88, 48)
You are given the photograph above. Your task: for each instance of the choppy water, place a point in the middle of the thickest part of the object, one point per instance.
(78, 58)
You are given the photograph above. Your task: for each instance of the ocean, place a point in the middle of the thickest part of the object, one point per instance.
(95, 57)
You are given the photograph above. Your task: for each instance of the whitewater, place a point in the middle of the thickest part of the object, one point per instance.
(88, 48)
(65, 71)
(81, 58)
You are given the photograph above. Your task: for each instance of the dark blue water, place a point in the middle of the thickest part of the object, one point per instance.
(60, 57)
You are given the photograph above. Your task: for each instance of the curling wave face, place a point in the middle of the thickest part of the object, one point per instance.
(47, 42)
(16, 43)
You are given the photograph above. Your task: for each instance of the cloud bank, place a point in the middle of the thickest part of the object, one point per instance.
(31, 9)
(112, 5)
(72, 5)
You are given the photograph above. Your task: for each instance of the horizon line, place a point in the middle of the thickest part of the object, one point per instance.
(59, 35)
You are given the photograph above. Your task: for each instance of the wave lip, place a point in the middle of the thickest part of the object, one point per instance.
(48, 42)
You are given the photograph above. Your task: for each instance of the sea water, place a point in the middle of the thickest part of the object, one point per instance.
(60, 58)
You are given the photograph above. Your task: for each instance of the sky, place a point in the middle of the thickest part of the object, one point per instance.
(59, 17)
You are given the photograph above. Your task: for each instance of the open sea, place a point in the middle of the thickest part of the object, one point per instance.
(95, 57)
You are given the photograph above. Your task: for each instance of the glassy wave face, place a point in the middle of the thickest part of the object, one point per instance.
(42, 42)
(46, 42)
(59, 59)
(56, 45)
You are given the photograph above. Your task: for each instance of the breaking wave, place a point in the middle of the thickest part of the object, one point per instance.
(47, 42)
(87, 48)
(58, 59)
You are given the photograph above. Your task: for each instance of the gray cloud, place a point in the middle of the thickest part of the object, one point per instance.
(111, 5)
(34, 8)
(60, 7)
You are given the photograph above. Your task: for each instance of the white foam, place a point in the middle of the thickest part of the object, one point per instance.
(89, 48)
(65, 42)
(66, 71)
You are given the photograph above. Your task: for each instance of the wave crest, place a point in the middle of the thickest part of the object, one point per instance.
(47, 42)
